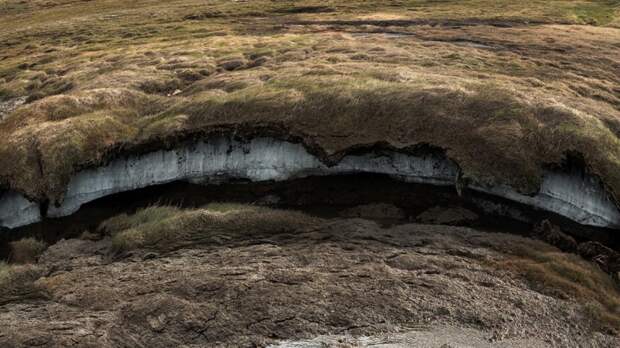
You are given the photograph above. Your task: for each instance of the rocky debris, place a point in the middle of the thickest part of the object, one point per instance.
(349, 278)
(607, 258)
(552, 234)
(375, 211)
(456, 216)
(18, 284)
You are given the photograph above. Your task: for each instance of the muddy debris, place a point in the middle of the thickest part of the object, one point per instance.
(291, 287)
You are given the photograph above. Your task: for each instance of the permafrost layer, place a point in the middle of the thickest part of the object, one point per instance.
(578, 197)
(16, 210)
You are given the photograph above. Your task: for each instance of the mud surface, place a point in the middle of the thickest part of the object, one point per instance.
(336, 282)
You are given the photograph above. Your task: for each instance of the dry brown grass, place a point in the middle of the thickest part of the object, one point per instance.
(26, 250)
(502, 101)
(566, 276)
(17, 282)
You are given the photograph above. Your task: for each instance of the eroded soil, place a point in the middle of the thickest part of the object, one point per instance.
(345, 278)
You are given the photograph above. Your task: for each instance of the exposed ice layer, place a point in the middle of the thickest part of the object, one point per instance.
(260, 159)
(16, 210)
(573, 195)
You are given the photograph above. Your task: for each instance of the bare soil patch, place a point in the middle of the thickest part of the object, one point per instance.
(349, 277)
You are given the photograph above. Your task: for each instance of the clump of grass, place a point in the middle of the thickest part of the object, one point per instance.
(27, 250)
(17, 282)
(596, 12)
(153, 214)
(49, 87)
(169, 228)
(163, 87)
(115, 117)
(566, 276)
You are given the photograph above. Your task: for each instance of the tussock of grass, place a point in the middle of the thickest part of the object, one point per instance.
(601, 12)
(168, 228)
(17, 282)
(48, 88)
(565, 276)
(153, 214)
(164, 87)
(27, 250)
(59, 108)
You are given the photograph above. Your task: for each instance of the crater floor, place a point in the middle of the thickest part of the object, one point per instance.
(299, 284)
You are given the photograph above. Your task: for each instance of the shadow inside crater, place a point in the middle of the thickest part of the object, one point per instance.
(324, 196)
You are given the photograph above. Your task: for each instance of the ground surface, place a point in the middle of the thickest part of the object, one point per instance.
(504, 87)
(247, 276)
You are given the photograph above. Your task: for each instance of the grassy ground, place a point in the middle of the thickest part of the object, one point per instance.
(564, 276)
(505, 87)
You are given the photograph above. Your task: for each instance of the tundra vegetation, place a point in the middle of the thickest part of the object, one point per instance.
(504, 87)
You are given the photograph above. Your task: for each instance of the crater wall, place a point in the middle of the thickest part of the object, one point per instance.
(574, 195)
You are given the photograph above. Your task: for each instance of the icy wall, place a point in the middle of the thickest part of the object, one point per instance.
(220, 159)
(16, 210)
(575, 196)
